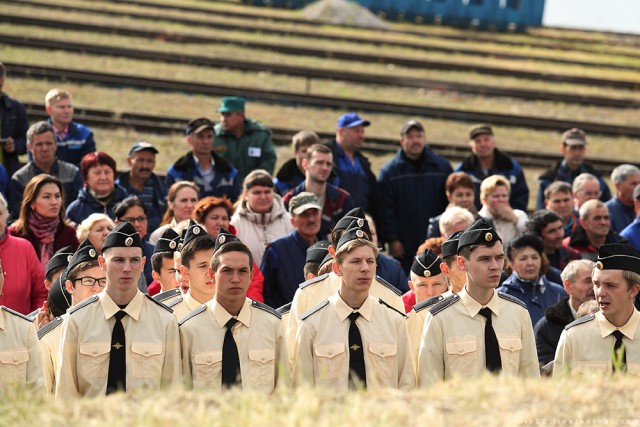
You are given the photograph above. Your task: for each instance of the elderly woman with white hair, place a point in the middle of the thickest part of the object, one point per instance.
(95, 228)
(23, 289)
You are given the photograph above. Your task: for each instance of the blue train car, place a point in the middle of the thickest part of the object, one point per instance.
(503, 15)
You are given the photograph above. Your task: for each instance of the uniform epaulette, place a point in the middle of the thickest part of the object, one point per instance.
(32, 316)
(173, 302)
(83, 304)
(314, 309)
(389, 285)
(392, 308)
(312, 281)
(15, 313)
(265, 307)
(49, 327)
(163, 296)
(159, 303)
(583, 319)
(200, 309)
(512, 299)
(284, 309)
(447, 302)
(427, 303)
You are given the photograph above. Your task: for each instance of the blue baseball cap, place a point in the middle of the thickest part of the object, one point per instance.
(350, 120)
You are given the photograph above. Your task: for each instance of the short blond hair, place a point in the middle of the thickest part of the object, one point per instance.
(490, 184)
(352, 245)
(55, 95)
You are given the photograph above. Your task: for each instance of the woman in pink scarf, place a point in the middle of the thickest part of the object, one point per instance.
(42, 220)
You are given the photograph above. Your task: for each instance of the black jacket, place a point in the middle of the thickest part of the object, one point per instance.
(548, 329)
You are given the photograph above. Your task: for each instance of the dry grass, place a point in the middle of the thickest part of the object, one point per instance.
(486, 401)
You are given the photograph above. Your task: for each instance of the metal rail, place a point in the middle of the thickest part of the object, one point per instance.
(320, 53)
(315, 73)
(340, 103)
(171, 125)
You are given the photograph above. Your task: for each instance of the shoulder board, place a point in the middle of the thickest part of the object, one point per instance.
(388, 306)
(163, 296)
(427, 303)
(512, 299)
(312, 281)
(49, 327)
(284, 309)
(173, 302)
(32, 316)
(445, 303)
(265, 307)
(583, 319)
(83, 304)
(159, 303)
(15, 313)
(314, 309)
(389, 285)
(193, 313)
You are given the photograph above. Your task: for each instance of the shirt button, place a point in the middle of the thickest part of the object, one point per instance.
(146, 352)
(15, 359)
(95, 351)
(330, 352)
(262, 359)
(209, 360)
(381, 352)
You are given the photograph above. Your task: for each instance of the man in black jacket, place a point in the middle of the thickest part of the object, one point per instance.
(13, 128)
(576, 279)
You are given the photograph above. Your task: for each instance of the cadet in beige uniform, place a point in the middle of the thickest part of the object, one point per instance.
(20, 356)
(478, 329)
(120, 339)
(610, 339)
(197, 250)
(314, 291)
(232, 340)
(427, 283)
(163, 268)
(353, 339)
(82, 279)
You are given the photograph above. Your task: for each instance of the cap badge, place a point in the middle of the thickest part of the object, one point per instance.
(360, 222)
(427, 273)
(69, 258)
(196, 230)
(599, 265)
(488, 237)
(222, 239)
(128, 241)
(92, 253)
(172, 245)
(180, 246)
(359, 233)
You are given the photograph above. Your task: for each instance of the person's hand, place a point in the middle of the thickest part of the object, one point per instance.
(44, 316)
(9, 145)
(505, 212)
(396, 249)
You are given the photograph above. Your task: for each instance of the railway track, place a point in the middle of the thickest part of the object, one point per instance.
(318, 53)
(315, 73)
(291, 98)
(282, 136)
(255, 27)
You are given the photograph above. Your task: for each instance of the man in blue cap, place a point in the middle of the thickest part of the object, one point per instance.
(352, 167)
(245, 143)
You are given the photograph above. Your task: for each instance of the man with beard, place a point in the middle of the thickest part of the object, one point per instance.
(576, 279)
(142, 182)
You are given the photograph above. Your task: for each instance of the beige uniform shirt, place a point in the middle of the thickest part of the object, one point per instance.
(314, 291)
(415, 323)
(20, 355)
(586, 346)
(322, 346)
(259, 337)
(453, 339)
(49, 336)
(152, 341)
(186, 306)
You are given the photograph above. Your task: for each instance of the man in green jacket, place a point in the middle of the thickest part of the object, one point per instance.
(244, 142)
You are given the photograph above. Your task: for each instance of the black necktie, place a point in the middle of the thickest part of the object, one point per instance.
(356, 354)
(491, 348)
(619, 353)
(230, 358)
(117, 378)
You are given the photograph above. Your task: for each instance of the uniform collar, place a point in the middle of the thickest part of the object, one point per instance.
(628, 329)
(191, 302)
(473, 306)
(110, 307)
(344, 310)
(222, 316)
